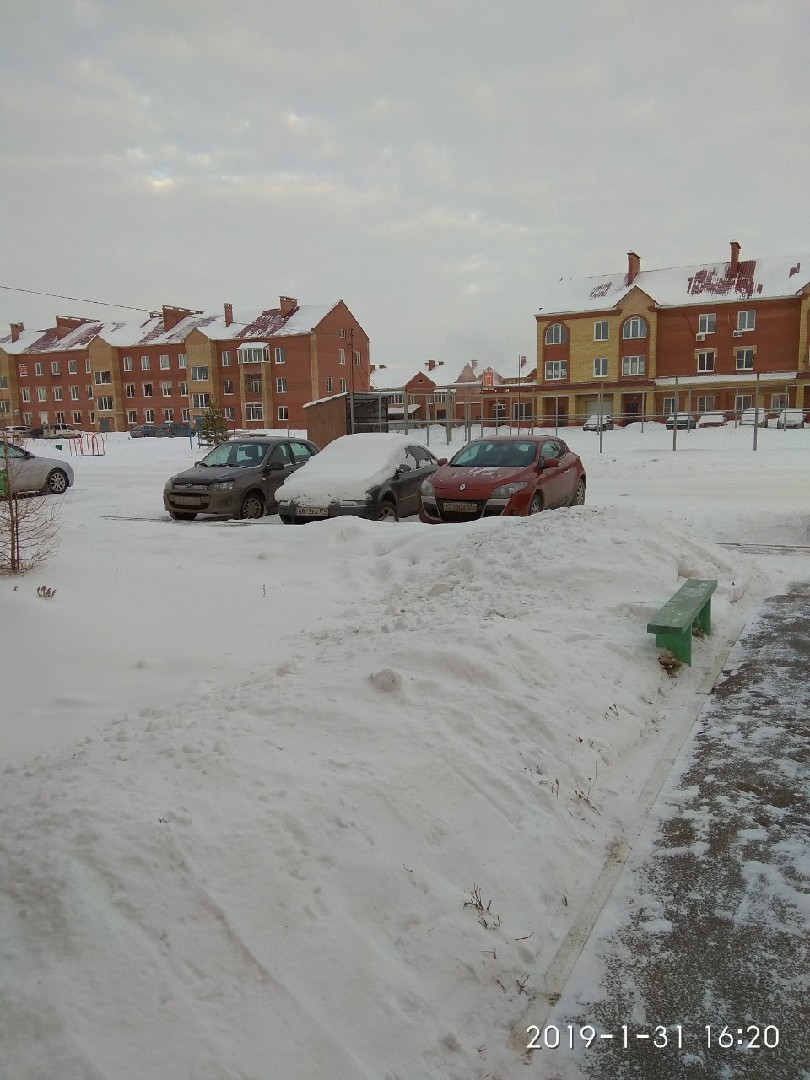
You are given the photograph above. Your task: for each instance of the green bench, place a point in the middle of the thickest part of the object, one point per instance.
(672, 625)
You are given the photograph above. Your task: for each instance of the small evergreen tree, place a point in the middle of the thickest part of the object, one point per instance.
(214, 425)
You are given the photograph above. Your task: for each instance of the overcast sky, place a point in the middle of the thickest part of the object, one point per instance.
(437, 164)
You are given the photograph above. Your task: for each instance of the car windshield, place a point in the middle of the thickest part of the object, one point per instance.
(510, 454)
(235, 455)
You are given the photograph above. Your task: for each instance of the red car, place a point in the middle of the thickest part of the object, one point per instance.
(509, 475)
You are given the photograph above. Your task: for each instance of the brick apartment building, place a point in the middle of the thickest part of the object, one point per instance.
(261, 367)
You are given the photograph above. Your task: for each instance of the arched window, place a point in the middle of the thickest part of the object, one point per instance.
(556, 334)
(634, 327)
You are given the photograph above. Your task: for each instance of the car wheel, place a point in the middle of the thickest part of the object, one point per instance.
(578, 498)
(387, 512)
(536, 505)
(57, 482)
(252, 506)
(181, 515)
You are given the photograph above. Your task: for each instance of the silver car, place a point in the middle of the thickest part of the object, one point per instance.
(30, 472)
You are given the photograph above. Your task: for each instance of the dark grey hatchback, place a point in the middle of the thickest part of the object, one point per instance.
(238, 478)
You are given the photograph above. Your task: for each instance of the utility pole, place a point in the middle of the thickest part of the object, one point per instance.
(351, 381)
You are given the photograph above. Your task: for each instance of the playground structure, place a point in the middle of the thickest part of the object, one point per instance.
(90, 443)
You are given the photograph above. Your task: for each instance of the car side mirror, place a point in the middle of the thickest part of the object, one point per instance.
(274, 466)
(551, 463)
(403, 469)
(442, 460)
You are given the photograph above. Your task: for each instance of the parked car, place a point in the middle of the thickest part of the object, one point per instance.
(750, 416)
(681, 420)
(790, 418)
(504, 476)
(14, 432)
(711, 419)
(143, 431)
(31, 472)
(239, 478)
(598, 423)
(172, 428)
(60, 431)
(369, 474)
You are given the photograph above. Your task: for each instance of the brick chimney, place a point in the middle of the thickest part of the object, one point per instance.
(66, 324)
(16, 329)
(228, 314)
(633, 267)
(287, 305)
(735, 258)
(173, 315)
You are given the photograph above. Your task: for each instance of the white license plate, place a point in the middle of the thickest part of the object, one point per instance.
(312, 511)
(187, 500)
(460, 507)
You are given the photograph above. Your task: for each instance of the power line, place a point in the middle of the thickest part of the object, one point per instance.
(75, 299)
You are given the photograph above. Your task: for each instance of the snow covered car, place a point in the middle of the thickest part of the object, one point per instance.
(598, 423)
(31, 472)
(239, 478)
(505, 476)
(754, 416)
(369, 474)
(682, 420)
(711, 419)
(790, 418)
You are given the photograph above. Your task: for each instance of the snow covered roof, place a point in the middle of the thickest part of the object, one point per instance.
(37, 341)
(710, 283)
(269, 323)
(732, 379)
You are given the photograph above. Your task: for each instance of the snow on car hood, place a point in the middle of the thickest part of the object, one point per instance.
(346, 469)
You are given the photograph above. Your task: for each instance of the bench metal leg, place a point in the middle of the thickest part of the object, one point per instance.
(678, 642)
(704, 619)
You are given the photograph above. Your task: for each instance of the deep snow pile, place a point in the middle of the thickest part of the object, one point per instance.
(274, 869)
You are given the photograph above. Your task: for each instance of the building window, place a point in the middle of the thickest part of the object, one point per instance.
(71, 367)
(669, 405)
(181, 360)
(149, 416)
(183, 389)
(199, 373)
(77, 418)
(146, 389)
(185, 414)
(705, 360)
(634, 328)
(127, 363)
(706, 404)
(144, 363)
(87, 366)
(600, 367)
(60, 418)
(556, 334)
(283, 412)
(746, 320)
(168, 414)
(226, 359)
(25, 394)
(41, 395)
(55, 367)
(57, 393)
(23, 370)
(343, 333)
(634, 365)
(279, 356)
(104, 404)
(254, 411)
(90, 391)
(329, 384)
(281, 386)
(745, 359)
(103, 378)
(3, 382)
(342, 386)
(356, 358)
(341, 356)
(166, 389)
(227, 386)
(164, 361)
(707, 323)
(251, 354)
(74, 393)
(600, 330)
(38, 369)
(230, 413)
(5, 406)
(253, 384)
(778, 402)
(743, 402)
(556, 369)
(132, 416)
(129, 390)
(201, 401)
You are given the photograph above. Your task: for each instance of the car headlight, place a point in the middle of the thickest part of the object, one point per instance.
(428, 490)
(223, 485)
(506, 491)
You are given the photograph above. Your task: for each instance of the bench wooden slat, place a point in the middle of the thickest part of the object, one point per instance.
(672, 624)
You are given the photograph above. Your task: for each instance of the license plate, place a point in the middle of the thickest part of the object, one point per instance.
(187, 500)
(312, 511)
(460, 507)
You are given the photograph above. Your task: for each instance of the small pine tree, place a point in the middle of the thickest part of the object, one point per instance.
(214, 425)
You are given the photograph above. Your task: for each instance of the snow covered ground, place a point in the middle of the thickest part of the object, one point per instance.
(322, 801)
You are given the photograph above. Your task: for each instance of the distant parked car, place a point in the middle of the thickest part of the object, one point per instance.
(598, 423)
(790, 418)
(369, 474)
(61, 431)
(14, 432)
(239, 478)
(171, 428)
(31, 472)
(681, 420)
(711, 419)
(143, 431)
(504, 476)
(750, 417)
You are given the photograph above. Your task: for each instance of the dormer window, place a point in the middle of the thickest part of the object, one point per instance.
(556, 334)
